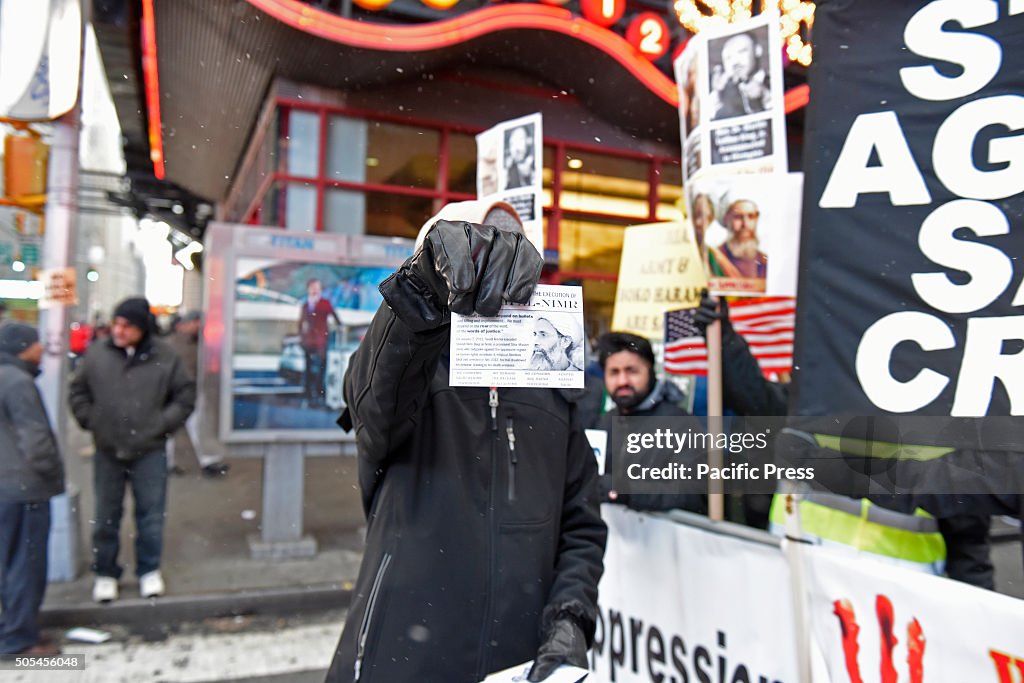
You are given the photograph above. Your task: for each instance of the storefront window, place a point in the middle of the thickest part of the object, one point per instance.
(303, 142)
(670, 191)
(462, 163)
(402, 155)
(606, 185)
(300, 207)
(346, 149)
(344, 211)
(384, 178)
(393, 215)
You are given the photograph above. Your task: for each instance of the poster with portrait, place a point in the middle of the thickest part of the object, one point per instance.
(732, 114)
(280, 330)
(539, 344)
(749, 226)
(687, 74)
(510, 164)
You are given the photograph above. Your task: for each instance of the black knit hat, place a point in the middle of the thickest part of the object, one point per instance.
(611, 343)
(16, 337)
(136, 312)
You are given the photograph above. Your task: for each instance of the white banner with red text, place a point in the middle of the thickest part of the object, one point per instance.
(876, 623)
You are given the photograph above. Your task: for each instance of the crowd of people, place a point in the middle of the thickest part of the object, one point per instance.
(485, 541)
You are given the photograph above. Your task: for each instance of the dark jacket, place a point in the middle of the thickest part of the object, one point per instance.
(663, 401)
(480, 529)
(968, 557)
(31, 469)
(131, 404)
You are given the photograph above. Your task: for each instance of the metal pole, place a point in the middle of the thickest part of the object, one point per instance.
(716, 487)
(58, 252)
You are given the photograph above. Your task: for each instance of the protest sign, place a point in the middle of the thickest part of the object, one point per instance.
(510, 168)
(660, 271)
(539, 344)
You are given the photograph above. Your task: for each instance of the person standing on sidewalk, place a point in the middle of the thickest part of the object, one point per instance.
(132, 392)
(484, 541)
(31, 472)
(184, 339)
(314, 337)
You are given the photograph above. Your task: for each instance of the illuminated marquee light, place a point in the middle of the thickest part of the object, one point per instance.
(796, 23)
(603, 12)
(648, 33)
(797, 18)
(439, 4)
(372, 5)
(697, 15)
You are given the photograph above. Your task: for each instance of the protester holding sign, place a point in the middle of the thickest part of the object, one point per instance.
(484, 540)
(957, 543)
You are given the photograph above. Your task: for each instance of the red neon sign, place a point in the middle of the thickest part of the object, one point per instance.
(603, 12)
(648, 33)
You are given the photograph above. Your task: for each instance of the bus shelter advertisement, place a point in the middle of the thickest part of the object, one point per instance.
(292, 311)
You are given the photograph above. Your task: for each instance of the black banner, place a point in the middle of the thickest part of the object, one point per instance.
(911, 295)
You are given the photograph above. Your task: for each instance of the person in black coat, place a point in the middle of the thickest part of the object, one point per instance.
(962, 523)
(31, 472)
(484, 541)
(628, 364)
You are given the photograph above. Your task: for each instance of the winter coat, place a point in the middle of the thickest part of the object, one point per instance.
(131, 404)
(663, 401)
(483, 522)
(31, 469)
(964, 531)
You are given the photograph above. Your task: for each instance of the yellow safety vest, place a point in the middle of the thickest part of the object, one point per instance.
(911, 540)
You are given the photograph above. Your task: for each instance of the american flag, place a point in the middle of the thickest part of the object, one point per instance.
(766, 324)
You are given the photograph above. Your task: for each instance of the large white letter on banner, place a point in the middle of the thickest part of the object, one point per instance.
(985, 362)
(954, 143)
(990, 269)
(979, 55)
(874, 355)
(897, 172)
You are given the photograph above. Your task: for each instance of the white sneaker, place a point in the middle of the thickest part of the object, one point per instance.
(105, 589)
(151, 584)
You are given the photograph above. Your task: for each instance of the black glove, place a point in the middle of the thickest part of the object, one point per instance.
(462, 267)
(564, 644)
(711, 308)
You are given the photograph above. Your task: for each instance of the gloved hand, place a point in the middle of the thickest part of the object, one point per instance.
(564, 644)
(711, 308)
(462, 267)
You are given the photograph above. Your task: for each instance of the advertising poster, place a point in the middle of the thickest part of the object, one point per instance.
(279, 332)
(660, 271)
(540, 344)
(749, 226)
(296, 324)
(510, 168)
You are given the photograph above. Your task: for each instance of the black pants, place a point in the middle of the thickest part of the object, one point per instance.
(24, 532)
(316, 371)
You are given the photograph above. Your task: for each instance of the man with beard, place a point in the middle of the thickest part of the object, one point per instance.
(628, 364)
(706, 230)
(739, 257)
(555, 345)
(740, 86)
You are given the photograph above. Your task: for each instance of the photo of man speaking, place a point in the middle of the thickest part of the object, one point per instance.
(740, 83)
